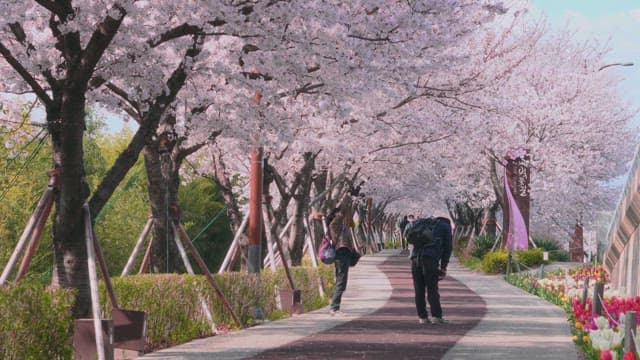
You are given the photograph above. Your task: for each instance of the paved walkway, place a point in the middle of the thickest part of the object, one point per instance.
(488, 319)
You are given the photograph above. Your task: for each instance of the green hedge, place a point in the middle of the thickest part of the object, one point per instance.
(496, 262)
(35, 323)
(172, 301)
(531, 257)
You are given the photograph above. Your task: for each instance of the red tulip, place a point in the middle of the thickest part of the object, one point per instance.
(606, 355)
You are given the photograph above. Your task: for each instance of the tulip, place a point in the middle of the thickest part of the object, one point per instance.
(607, 355)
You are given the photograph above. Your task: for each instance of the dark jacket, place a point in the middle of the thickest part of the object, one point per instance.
(443, 236)
(341, 223)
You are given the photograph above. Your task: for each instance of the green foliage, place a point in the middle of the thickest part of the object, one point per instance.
(495, 262)
(175, 319)
(459, 246)
(390, 244)
(122, 219)
(25, 158)
(556, 252)
(206, 220)
(530, 257)
(482, 245)
(472, 263)
(35, 323)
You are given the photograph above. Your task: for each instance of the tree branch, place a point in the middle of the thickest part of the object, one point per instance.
(125, 97)
(100, 40)
(147, 128)
(26, 76)
(184, 30)
(411, 143)
(54, 7)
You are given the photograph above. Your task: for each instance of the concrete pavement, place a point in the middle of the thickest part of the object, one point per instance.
(517, 325)
(368, 290)
(501, 321)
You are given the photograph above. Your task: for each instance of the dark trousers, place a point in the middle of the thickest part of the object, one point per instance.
(342, 263)
(424, 271)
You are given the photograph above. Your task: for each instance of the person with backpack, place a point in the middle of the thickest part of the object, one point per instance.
(432, 246)
(340, 222)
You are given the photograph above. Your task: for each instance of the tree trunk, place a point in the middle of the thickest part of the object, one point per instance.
(233, 212)
(490, 220)
(301, 197)
(163, 199)
(70, 252)
(498, 189)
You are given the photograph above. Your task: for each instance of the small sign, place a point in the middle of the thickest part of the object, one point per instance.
(545, 256)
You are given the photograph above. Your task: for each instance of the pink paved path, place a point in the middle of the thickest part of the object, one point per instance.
(393, 331)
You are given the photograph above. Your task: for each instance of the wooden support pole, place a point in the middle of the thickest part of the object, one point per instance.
(276, 256)
(598, 292)
(310, 245)
(281, 251)
(630, 328)
(93, 284)
(35, 216)
(271, 257)
(146, 259)
(187, 265)
(205, 269)
(312, 255)
(103, 268)
(234, 244)
(136, 249)
(35, 238)
(585, 291)
(183, 254)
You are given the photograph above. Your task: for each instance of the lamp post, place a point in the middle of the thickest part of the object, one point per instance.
(615, 64)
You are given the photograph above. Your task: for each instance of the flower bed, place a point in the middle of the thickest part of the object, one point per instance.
(599, 337)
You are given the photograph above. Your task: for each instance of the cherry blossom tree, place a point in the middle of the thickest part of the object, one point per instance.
(60, 51)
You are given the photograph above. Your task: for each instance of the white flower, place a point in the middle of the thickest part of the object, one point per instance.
(606, 339)
(602, 323)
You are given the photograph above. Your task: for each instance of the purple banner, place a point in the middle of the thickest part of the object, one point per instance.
(517, 235)
(516, 189)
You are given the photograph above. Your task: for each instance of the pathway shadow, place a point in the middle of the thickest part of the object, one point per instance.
(393, 331)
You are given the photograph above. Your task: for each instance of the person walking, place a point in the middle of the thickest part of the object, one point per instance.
(340, 222)
(402, 224)
(429, 265)
(410, 219)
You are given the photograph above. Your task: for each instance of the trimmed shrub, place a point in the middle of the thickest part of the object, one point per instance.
(482, 245)
(530, 257)
(495, 262)
(173, 301)
(392, 244)
(35, 323)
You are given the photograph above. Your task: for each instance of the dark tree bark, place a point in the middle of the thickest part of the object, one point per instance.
(301, 209)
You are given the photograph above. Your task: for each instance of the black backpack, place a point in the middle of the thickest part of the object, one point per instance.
(419, 233)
